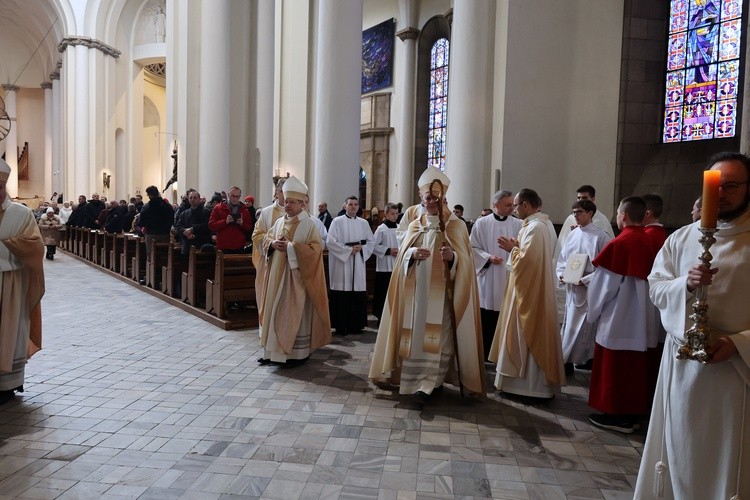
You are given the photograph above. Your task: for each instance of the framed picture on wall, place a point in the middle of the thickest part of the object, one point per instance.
(377, 56)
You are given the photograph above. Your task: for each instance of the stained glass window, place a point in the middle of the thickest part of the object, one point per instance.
(703, 69)
(438, 103)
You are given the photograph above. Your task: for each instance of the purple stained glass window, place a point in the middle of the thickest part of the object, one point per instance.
(703, 69)
(438, 103)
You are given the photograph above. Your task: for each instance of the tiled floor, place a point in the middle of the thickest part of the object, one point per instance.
(133, 398)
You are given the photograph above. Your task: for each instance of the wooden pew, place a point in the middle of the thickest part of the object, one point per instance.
(82, 236)
(96, 245)
(201, 266)
(115, 252)
(138, 269)
(128, 251)
(104, 250)
(155, 261)
(172, 272)
(233, 281)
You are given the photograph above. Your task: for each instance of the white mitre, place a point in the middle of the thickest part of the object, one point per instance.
(4, 171)
(430, 174)
(294, 189)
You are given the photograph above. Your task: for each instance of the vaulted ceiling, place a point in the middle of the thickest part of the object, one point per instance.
(23, 26)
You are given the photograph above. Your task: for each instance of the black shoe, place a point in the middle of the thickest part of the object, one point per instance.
(291, 363)
(420, 398)
(438, 390)
(49, 256)
(613, 423)
(6, 396)
(264, 361)
(586, 366)
(569, 370)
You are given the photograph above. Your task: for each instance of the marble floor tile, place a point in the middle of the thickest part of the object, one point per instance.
(164, 405)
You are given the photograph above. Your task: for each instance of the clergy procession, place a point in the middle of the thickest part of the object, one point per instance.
(452, 307)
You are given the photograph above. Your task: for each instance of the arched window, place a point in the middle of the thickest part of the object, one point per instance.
(703, 69)
(439, 56)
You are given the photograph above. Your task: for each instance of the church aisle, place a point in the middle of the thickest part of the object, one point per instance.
(131, 397)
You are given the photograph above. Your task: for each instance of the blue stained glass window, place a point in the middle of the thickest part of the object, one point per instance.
(703, 69)
(438, 103)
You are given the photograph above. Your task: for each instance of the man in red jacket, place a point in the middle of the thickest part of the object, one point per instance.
(230, 221)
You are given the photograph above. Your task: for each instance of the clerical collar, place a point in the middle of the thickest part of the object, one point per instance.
(348, 217)
(390, 224)
(498, 218)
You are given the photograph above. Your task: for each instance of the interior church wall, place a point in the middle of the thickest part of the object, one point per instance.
(645, 164)
(155, 141)
(241, 138)
(559, 100)
(31, 129)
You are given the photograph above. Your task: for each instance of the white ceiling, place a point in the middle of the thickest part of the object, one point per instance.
(23, 25)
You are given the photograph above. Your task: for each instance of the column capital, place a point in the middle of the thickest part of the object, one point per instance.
(449, 16)
(46, 85)
(91, 43)
(11, 88)
(408, 34)
(54, 76)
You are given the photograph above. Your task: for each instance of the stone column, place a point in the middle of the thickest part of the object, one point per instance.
(57, 152)
(469, 105)
(47, 86)
(264, 102)
(81, 141)
(11, 141)
(213, 142)
(337, 101)
(406, 88)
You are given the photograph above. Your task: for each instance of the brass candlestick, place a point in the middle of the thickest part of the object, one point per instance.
(698, 337)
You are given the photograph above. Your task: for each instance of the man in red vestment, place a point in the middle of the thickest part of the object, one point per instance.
(621, 381)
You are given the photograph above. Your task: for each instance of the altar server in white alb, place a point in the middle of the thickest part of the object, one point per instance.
(350, 244)
(490, 260)
(698, 441)
(386, 249)
(588, 240)
(21, 289)
(296, 318)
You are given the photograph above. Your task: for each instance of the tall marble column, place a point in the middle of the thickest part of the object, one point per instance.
(469, 105)
(81, 139)
(11, 141)
(406, 88)
(337, 101)
(47, 86)
(213, 142)
(264, 101)
(57, 124)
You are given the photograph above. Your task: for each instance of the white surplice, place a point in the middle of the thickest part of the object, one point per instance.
(385, 238)
(345, 270)
(699, 433)
(577, 334)
(491, 279)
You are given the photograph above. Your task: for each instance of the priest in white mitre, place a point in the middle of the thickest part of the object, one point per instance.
(350, 244)
(698, 441)
(584, 242)
(296, 320)
(21, 289)
(268, 217)
(430, 331)
(527, 346)
(490, 260)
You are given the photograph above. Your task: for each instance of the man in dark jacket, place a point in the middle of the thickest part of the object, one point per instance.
(192, 224)
(156, 217)
(115, 217)
(91, 212)
(76, 218)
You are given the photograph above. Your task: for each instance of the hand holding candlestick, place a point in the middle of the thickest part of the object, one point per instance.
(698, 337)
